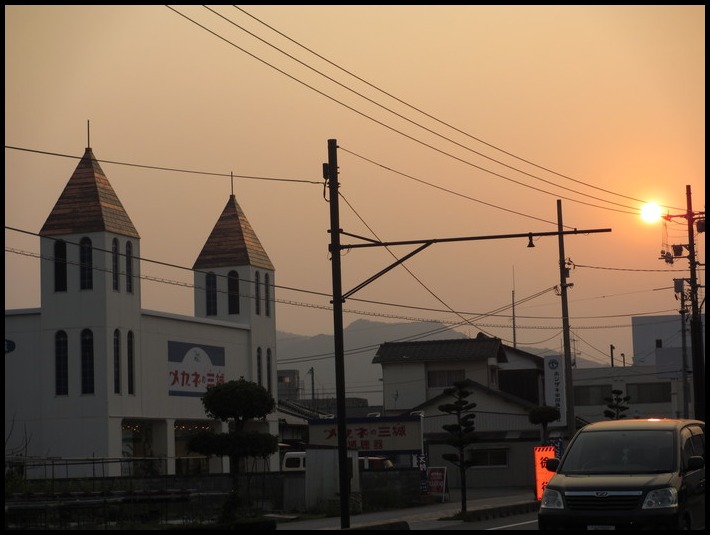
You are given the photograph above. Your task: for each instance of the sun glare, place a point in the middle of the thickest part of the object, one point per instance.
(650, 212)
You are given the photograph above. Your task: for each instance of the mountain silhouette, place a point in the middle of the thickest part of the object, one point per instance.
(361, 340)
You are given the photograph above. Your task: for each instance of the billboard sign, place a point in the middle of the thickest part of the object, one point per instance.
(371, 435)
(194, 367)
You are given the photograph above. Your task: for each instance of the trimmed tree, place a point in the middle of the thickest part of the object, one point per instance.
(543, 415)
(235, 402)
(616, 405)
(460, 433)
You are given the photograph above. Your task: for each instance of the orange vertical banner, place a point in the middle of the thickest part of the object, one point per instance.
(542, 474)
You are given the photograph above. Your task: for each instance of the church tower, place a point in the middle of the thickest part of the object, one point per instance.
(91, 294)
(234, 282)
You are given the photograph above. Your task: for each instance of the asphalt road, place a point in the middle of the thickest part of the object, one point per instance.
(485, 504)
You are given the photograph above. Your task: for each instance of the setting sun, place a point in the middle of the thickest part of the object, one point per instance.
(650, 212)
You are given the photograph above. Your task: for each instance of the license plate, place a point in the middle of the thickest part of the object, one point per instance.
(600, 527)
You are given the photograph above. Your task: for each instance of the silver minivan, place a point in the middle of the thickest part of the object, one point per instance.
(628, 475)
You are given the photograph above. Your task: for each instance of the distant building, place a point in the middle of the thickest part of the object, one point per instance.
(654, 335)
(505, 383)
(290, 385)
(95, 378)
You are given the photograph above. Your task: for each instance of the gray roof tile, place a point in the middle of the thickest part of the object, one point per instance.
(480, 348)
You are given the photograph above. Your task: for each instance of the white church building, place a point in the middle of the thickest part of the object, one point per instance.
(96, 381)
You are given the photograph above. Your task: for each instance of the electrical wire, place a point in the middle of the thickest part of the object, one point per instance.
(419, 110)
(632, 210)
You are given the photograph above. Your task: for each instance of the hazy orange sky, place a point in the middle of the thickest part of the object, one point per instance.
(451, 121)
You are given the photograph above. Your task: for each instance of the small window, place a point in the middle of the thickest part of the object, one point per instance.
(259, 379)
(591, 394)
(268, 370)
(649, 392)
(60, 266)
(130, 363)
(86, 264)
(257, 289)
(233, 292)
(489, 457)
(267, 295)
(116, 361)
(444, 378)
(87, 362)
(115, 263)
(129, 267)
(211, 294)
(61, 364)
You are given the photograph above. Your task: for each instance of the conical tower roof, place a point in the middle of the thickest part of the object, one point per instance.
(233, 242)
(88, 204)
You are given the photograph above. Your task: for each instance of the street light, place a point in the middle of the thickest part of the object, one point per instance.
(695, 220)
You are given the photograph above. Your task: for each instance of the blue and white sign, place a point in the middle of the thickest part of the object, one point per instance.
(555, 387)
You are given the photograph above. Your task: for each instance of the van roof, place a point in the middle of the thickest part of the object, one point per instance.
(647, 423)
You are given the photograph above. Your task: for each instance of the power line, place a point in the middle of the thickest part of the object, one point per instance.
(328, 295)
(421, 111)
(172, 169)
(349, 88)
(633, 210)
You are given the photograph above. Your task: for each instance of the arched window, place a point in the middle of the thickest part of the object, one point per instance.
(130, 364)
(259, 378)
(115, 265)
(61, 364)
(116, 361)
(233, 292)
(129, 267)
(268, 370)
(257, 292)
(86, 264)
(267, 295)
(87, 362)
(60, 266)
(211, 294)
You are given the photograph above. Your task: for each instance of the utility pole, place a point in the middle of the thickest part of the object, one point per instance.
(569, 383)
(696, 324)
(515, 342)
(313, 388)
(611, 351)
(680, 288)
(330, 173)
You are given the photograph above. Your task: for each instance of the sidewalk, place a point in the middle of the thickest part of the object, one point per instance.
(488, 503)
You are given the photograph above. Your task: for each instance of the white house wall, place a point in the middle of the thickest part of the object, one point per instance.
(493, 413)
(618, 378)
(403, 386)
(649, 331)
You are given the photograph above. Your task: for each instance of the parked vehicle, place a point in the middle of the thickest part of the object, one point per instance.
(294, 461)
(628, 474)
(375, 463)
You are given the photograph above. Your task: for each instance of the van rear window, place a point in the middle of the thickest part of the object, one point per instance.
(294, 462)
